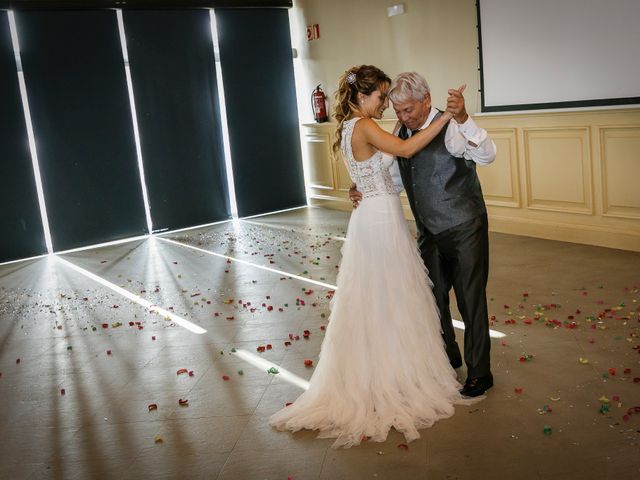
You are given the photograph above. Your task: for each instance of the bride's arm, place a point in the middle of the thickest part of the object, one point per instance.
(383, 140)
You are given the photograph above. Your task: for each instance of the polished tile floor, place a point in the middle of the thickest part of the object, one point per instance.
(91, 341)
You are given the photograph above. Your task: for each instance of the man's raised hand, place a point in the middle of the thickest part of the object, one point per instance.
(455, 104)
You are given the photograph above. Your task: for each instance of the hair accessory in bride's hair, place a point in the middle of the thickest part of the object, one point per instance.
(351, 78)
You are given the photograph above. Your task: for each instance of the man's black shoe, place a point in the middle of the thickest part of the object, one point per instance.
(475, 387)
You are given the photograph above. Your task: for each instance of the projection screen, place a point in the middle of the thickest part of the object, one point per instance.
(558, 53)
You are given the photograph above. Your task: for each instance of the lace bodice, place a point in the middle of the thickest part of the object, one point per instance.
(371, 176)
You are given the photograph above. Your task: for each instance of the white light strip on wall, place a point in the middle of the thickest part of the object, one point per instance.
(30, 134)
(233, 205)
(456, 323)
(134, 120)
(295, 16)
(265, 365)
(192, 327)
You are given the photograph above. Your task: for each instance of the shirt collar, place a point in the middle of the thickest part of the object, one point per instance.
(432, 113)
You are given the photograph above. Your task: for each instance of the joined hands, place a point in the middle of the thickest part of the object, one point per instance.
(455, 104)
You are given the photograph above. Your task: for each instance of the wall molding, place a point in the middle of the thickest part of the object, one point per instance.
(566, 176)
(619, 151)
(558, 173)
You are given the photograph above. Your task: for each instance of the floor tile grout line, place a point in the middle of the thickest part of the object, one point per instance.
(234, 445)
(324, 459)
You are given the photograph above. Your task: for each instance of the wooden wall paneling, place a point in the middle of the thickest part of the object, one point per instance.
(558, 170)
(620, 161)
(499, 180)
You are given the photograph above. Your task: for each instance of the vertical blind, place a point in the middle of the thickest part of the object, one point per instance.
(259, 86)
(174, 81)
(21, 232)
(81, 117)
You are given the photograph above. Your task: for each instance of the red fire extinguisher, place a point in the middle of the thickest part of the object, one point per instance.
(319, 106)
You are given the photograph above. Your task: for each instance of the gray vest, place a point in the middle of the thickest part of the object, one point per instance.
(444, 191)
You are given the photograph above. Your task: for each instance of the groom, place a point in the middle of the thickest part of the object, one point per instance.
(446, 200)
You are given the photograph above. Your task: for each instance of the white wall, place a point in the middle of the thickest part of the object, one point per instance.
(437, 38)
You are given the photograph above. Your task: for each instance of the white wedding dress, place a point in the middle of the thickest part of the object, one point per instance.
(382, 362)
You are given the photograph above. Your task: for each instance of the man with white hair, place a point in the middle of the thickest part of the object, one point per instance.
(446, 200)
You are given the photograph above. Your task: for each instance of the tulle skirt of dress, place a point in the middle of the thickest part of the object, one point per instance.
(382, 362)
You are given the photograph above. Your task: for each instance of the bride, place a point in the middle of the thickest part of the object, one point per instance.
(382, 362)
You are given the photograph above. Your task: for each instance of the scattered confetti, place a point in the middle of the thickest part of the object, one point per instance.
(544, 410)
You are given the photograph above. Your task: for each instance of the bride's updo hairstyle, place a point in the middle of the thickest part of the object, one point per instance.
(364, 79)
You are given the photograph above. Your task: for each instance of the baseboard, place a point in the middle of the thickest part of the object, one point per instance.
(583, 234)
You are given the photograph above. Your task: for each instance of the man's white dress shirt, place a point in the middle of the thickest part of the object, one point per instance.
(457, 140)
